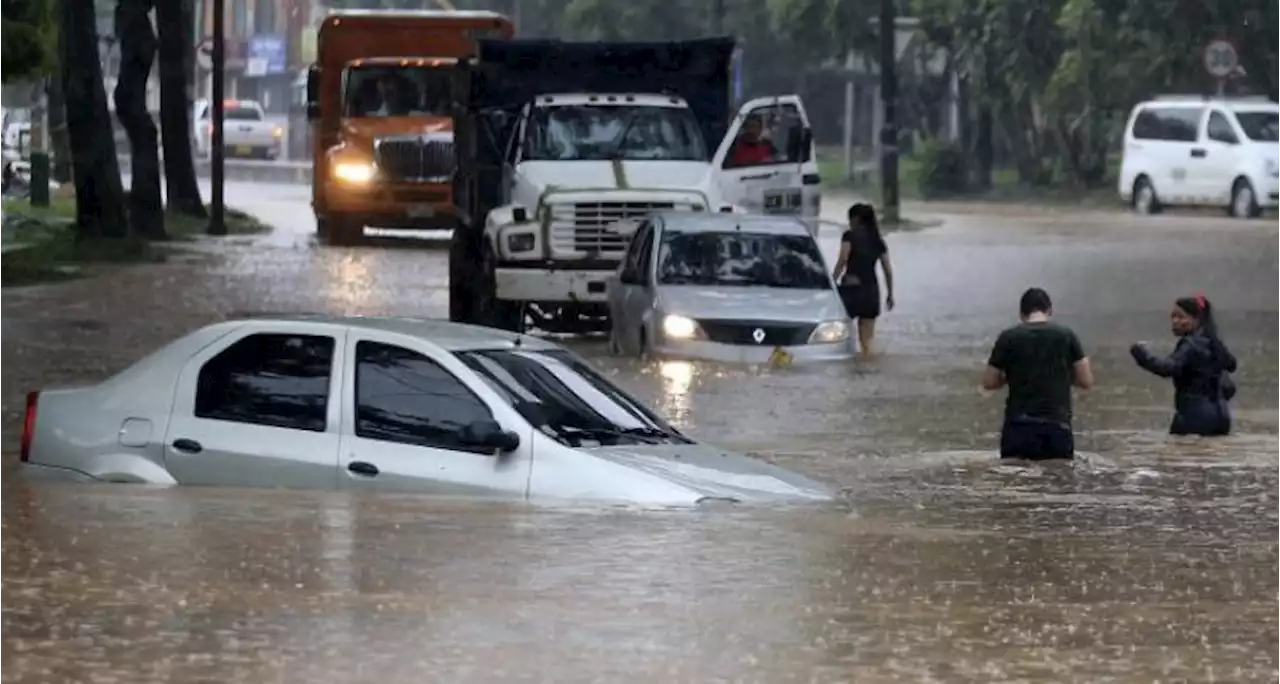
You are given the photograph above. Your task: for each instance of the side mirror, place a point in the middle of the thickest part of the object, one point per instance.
(313, 92)
(490, 435)
(800, 142)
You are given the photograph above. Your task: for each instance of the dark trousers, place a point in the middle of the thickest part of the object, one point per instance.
(1036, 439)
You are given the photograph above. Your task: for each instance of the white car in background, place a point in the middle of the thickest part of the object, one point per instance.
(1197, 151)
(245, 130)
(383, 404)
(726, 287)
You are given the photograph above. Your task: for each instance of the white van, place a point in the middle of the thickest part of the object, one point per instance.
(1196, 151)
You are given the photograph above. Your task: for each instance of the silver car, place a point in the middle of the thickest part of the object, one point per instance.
(382, 404)
(726, 287)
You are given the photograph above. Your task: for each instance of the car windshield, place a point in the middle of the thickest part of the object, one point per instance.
(238, 113)
(564, 398)
(1260, 126)
(606, 132)
(380, 91)
(741, 259)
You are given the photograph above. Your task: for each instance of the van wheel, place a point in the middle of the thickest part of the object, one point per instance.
(1145, 200)
(1244, 203)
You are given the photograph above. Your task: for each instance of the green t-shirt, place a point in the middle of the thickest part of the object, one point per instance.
(1037, 360)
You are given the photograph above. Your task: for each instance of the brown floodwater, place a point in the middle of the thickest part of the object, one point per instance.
(1148, 559)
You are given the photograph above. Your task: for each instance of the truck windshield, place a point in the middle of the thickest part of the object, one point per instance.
(741, 259)
(377, 91)
(563, 397)
(603, 132)
(1259, 126)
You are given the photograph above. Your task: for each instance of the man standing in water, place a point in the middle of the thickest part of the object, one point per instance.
(1039, 361)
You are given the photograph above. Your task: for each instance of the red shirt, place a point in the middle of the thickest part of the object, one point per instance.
(752, 153)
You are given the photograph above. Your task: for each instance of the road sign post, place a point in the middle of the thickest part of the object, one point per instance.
(1221, 61)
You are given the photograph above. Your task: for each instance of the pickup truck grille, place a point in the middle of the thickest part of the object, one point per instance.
(412, 159)
(743, 332)
(584, 226)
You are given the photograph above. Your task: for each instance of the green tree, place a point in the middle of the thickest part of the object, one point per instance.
(28, 45)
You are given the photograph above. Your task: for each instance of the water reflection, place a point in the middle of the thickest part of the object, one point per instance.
(348, 285)
(674, 402)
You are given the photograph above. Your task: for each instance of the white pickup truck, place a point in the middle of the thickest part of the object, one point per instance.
(245, 130)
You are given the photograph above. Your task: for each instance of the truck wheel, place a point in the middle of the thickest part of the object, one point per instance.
(461, 283)
(494, 312)
(344, 231)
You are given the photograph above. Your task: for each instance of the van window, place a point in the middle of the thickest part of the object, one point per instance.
(1259, 126)
(1219, 129)
(1174, 124)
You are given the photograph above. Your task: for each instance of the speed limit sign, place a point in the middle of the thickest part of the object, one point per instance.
(1220, 58)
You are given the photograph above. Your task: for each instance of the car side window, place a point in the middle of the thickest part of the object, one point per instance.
(1219, 129)
(269, 379)
(403, 396)
(631, 262)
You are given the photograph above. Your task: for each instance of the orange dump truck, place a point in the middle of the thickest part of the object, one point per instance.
(379, 99)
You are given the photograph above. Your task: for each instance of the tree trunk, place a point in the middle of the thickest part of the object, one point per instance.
(100, 208)
(61, 168)
(173, 22)
(137, 54)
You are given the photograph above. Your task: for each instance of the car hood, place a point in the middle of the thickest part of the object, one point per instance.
(750, 303)
(715, 473)
(623, 175)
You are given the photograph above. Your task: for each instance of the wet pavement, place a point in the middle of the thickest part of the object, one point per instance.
(1151, 559)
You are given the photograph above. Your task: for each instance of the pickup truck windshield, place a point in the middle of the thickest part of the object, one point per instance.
(606, 132)
(1259, 126)
(377, 91)
(567, 400)
(741, 259)
(242, 114)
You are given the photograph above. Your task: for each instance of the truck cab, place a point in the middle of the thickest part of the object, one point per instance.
(379, 99)
(580, 169)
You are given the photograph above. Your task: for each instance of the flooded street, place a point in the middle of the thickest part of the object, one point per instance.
(1149, 559)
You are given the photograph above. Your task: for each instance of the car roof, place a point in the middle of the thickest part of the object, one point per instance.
(445, 334)
(719, 222)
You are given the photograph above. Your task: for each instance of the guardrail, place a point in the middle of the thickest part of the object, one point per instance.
(254, 170)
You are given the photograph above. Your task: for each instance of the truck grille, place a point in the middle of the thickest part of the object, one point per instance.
(412, 159)
(776, 334)
(584, 226)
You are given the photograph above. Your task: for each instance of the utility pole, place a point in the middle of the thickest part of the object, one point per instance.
(889, 99)
(217, 151)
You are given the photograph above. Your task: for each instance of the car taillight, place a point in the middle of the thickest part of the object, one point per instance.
(29, 426)
(208, 128)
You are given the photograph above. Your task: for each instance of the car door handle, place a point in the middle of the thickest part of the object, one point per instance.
(363, 468)
(1199, 153)
(187, 446)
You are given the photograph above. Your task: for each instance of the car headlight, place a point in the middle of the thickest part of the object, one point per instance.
(828, 332)
(357, 173)
(1273, 169)
(520, 242)
(277, 132)
(677, 327)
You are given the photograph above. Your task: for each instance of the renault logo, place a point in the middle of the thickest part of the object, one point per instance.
(758, 335)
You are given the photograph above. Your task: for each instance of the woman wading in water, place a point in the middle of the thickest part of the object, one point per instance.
(861, 248)
(1199, 367)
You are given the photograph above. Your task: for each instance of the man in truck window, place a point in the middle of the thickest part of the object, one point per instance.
(751, 148)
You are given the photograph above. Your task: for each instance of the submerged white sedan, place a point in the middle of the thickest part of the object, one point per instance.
(383, 403)
(726, 287)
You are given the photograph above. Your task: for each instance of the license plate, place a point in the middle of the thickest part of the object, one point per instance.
(243, 149)
(780, 357)
(420, 211)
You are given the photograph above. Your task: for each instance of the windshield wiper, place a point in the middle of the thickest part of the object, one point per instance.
(602, 433)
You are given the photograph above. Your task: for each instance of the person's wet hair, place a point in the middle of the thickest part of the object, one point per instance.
(1199, 308)
(863, 214)
(1034, 300)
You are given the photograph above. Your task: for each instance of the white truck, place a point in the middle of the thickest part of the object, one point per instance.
(245, 130)
(580, 169)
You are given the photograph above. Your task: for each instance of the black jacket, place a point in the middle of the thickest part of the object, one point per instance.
(1198, 366)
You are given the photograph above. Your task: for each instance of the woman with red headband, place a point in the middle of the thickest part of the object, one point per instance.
(1199, 367)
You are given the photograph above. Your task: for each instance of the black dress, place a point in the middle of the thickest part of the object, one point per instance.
(1199, 367)
(859, 288)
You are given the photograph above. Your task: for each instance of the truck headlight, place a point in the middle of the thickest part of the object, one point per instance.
(520, 242)
(678, 327)
(828, 332)
(357, 173)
